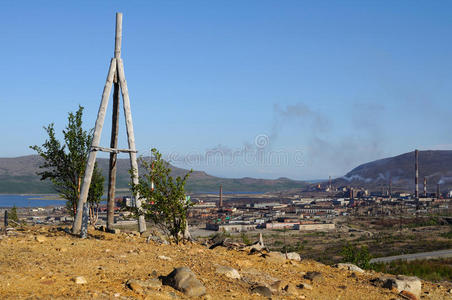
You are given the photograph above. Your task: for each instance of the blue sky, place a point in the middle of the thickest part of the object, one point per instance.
(300, 89)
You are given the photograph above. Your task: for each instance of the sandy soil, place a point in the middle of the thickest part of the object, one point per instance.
(30, 269)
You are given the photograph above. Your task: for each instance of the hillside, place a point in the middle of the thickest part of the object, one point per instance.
(46, 263)
(18, 175)
(435, 165)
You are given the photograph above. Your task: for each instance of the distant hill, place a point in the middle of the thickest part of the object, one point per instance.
(435, 165)
(18, 175)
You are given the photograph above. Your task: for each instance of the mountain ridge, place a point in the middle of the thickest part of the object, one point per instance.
(18, 175)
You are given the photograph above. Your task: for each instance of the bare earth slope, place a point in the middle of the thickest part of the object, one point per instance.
(30, 269)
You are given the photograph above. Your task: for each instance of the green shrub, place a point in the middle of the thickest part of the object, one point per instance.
(356, 255)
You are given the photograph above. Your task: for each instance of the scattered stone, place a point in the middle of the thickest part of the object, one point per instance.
(163, 257)
(276, 286)
(256, 246)
(135, 286)
(184, 280)
(80, 280)
(293, 256)
(276, 257)
(400, 283)
(342, 287)
(305, 286)
(40, 238)
(349, 267)
(408, 295)
(158, 239)
(313, 276)
(62, 249)
(262, 290)
(228, 272)
(291, 289)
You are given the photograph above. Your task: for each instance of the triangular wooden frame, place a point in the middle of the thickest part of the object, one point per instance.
(115, 76)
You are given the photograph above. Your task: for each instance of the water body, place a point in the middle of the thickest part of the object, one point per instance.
(30, 201)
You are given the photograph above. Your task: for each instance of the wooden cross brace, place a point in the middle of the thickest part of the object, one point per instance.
(115, 76)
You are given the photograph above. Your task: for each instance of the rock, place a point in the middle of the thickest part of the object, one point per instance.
(138, 286)
(262, 290)
(79, 280)
(228, 272)
(153, 283)
(408, 295)
(294, 256)
(256, 246)
(291, 289)
(163, 257)
(276, 286)
(349, 267)
(276, 257)
(305, 286)
(40, 238)
(313, 276)
(158, 239)
(184, 280)
(135, 286)
(400, 283)
(62, 249)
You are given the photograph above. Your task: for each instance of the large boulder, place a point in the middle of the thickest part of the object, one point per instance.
(401, 283)
(184, 280)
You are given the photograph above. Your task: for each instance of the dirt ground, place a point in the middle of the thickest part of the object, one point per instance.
(32, 269)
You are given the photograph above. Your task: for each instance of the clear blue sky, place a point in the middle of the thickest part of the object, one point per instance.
(324, 85)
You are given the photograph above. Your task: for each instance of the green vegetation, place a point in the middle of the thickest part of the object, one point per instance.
(13, 216)
(95, 194)
(65, 161)
(432, 270)
(163, 197)
(447, 235)
(245, 238)
(356, 255)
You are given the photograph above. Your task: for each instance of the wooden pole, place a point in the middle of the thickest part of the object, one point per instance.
(114, 130)
(131, 138)
(95, 143)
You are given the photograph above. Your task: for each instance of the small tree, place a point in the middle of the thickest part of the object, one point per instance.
(96, 190)
(358, 256)
(13, 216)
(163, 197)
(65, 162)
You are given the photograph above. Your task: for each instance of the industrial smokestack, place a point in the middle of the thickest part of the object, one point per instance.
(221, 197)
(329, 184)
(390, 188)
(438, 194)
(425, 186)
(416, 177)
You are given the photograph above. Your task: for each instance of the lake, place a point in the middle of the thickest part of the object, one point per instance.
(30, 201)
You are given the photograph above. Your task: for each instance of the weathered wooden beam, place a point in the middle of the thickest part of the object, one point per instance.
(130, 138)
(113, 154)
(95, 142)
(118, 35)
(112, 150)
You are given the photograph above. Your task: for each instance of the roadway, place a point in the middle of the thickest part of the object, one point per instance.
(414, 256)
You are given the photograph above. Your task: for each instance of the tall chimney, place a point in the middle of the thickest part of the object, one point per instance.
(416, 178)
(390, 188)
(425, 186)
(438, 195)
(221, 197)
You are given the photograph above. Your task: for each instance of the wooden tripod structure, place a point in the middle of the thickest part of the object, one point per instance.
(117, 78)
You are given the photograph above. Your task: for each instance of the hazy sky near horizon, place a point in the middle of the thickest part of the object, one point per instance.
(298, 89)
